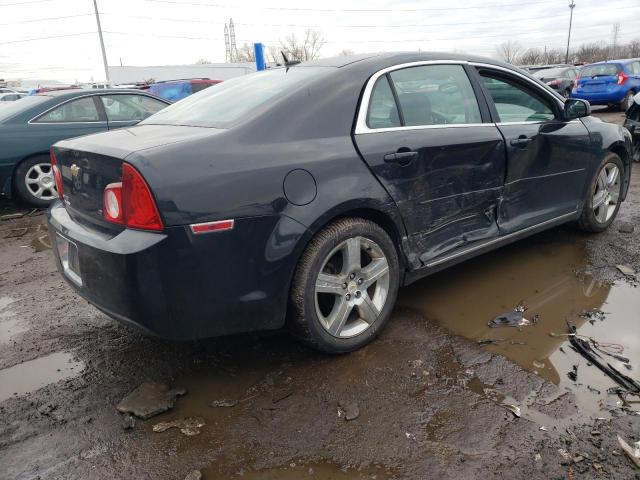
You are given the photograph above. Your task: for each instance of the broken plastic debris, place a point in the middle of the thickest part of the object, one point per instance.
(150, 399)
(514, 318)
(593, 315)
(512, 408)
(538, 364)
(632, 452)
(188, 426)
(626, 270)
(410, 435)
(573, 374)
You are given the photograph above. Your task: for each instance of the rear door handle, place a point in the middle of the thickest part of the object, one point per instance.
(520, 142)
(403, 158)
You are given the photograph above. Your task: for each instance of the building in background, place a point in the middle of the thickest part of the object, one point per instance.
(220, 71)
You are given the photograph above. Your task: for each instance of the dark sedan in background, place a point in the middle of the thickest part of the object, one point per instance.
(306, 196)
(30, 126)
(561, 79)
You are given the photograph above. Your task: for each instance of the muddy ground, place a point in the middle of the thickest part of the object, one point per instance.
(430, 401)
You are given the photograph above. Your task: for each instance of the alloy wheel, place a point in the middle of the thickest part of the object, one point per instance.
(352, 287)
(40, 182)
(607, 192)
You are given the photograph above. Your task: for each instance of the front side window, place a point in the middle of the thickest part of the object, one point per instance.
(435, 95)
(127, 108)
(383, 111)
(80, 110)
(516, 103)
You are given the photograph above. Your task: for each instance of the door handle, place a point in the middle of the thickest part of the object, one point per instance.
(403, 158)
(520, 142)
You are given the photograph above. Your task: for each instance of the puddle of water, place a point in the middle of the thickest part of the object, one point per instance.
(315, 471)
(29, 376)
(542, 273)
(9, 325)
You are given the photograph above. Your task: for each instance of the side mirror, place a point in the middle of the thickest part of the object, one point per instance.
(576, 108)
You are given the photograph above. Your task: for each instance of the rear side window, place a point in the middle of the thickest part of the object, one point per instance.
(514, 102)
(126, 108)
(80, 110)
(383, 111)
(435, 95)
(600, 70)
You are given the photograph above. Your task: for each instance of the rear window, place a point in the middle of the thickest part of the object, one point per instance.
(11, 109)
(550, 72)
(603, 70)
(232, 101)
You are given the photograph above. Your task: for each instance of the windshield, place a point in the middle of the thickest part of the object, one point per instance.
(10, 109)
(605, 69)
(549, 72)
(234, 100)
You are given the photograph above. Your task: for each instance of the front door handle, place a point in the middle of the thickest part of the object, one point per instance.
(403, 158)
(520, 142)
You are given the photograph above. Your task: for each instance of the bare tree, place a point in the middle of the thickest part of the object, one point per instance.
(202, 61)
(509, 51)
(346, 52)
(308, 49)
(246, 53)
(531, 56)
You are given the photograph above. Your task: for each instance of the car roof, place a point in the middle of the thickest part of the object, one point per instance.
(622, 60)
(384, 59)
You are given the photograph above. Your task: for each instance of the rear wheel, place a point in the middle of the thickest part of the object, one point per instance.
(34, 182)
(603, 197)
(345, 286)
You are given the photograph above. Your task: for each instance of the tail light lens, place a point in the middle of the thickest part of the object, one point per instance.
(57, 176)
(622, 77)
(130, 202)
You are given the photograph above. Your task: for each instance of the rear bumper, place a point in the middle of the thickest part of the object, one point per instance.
(182, 286)
(600, 98)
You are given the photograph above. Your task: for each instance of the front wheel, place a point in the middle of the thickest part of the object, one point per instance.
(345, 286)
(603, 197)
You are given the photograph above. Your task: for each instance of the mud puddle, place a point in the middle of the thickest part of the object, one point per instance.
(544, 274)
(29, 376)
(314, 471)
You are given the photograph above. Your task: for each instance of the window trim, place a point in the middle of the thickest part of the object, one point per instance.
(361, 119)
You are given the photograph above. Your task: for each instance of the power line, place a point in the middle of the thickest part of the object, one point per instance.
(47, 38)
(35, 20)
(23, 3)
(363, 10)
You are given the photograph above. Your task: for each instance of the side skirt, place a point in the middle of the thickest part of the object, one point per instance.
(469, 251)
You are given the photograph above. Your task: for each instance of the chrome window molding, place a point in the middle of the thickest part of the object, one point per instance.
(361, 121)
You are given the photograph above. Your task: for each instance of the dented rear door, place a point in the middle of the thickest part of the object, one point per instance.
(425, 140)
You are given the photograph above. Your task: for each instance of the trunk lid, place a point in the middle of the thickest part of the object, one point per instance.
(88, 164)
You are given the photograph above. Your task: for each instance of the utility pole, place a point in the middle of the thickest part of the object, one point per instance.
(571, 7)
(104, 53)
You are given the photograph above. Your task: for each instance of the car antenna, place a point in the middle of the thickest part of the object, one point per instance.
(288, 63)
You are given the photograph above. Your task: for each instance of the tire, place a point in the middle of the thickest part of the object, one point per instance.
(598, 219)
(626, 102)
(33, 181)
(317, 317)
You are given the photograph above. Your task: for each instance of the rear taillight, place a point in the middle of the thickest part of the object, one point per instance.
(130, 202)
(57, 176)
(622, 77)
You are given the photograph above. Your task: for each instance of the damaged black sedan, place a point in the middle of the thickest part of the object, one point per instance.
(304, 197)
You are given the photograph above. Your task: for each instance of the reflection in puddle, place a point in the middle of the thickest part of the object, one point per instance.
(316, 471)
(29, 376)
(542, 274)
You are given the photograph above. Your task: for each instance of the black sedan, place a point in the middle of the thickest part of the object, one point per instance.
(306, 196)
(561, 79)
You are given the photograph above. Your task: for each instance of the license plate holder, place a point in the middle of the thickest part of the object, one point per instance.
(68, 253)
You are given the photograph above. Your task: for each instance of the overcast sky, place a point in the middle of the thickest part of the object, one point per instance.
(170, 32)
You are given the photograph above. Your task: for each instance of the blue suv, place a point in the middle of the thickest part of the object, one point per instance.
(612, 82)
